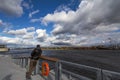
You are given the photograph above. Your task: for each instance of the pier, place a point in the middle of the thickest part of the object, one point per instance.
(15, 68)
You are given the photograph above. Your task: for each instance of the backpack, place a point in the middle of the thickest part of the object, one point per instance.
(36, 53)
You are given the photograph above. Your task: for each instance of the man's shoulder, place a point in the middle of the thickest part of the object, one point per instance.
(38, 49)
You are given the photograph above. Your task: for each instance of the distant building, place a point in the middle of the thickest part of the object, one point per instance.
(3, 48)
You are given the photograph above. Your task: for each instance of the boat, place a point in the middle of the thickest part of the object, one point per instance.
(3, 48)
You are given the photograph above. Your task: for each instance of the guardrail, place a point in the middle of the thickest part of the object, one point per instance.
(100, 74)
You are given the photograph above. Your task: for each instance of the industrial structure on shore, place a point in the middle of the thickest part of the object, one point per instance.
(3, 48)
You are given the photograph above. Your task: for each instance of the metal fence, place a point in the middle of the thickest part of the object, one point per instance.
(59, 71)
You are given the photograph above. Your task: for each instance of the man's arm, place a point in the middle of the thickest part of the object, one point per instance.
(40, 52)
(32, 53)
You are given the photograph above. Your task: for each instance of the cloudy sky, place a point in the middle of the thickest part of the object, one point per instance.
(59, 22)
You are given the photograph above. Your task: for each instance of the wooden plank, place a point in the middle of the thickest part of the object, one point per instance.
(41, 57)
(49, 58)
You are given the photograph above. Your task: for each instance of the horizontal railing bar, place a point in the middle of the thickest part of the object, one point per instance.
(49, 58)
(81, 66)
(76, 75)
(20, 57)
(52, 73)
(41, 57)
(116, 74)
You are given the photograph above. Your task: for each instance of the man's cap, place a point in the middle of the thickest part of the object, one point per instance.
(38, 45)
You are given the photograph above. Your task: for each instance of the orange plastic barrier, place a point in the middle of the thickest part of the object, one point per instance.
(45, 69)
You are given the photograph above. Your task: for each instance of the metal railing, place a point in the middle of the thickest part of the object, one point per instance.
(59, 72)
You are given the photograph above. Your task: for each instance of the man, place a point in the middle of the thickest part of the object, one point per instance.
(36, 53)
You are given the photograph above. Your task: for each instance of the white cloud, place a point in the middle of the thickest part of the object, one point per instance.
(29, 35)
(93, 18)
(9, 40)
(26, 37)
(18, 32)
(4, 24)
(17, 42)
(59, 17)
(30, 28)
(41, 35)
(94, 22)
(24, 33)
(1, 22)
(35, 20)
(62, 39)
(57, 28)
(33, 13)
(26, 5)
(11, 7)
(62, 8)
(107, 28)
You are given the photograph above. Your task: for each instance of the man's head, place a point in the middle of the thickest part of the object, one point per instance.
(38, 45)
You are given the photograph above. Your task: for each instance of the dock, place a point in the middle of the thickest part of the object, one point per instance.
(11, 71)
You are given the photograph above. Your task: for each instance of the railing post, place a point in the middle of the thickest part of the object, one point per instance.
(28, 65)
(58, 71)
(36, 71)
(69, 77)
(17, 61)
(37, 67)
(107, 76)
(20, 63)
(99, 75)
(24, 63)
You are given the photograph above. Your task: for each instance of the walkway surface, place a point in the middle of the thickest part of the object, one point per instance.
(11, 71)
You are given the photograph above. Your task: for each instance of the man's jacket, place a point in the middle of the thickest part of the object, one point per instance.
(36, 53)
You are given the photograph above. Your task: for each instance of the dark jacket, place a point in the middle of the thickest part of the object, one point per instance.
(36, 53)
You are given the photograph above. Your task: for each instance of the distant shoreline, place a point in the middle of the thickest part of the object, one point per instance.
(74, 48)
